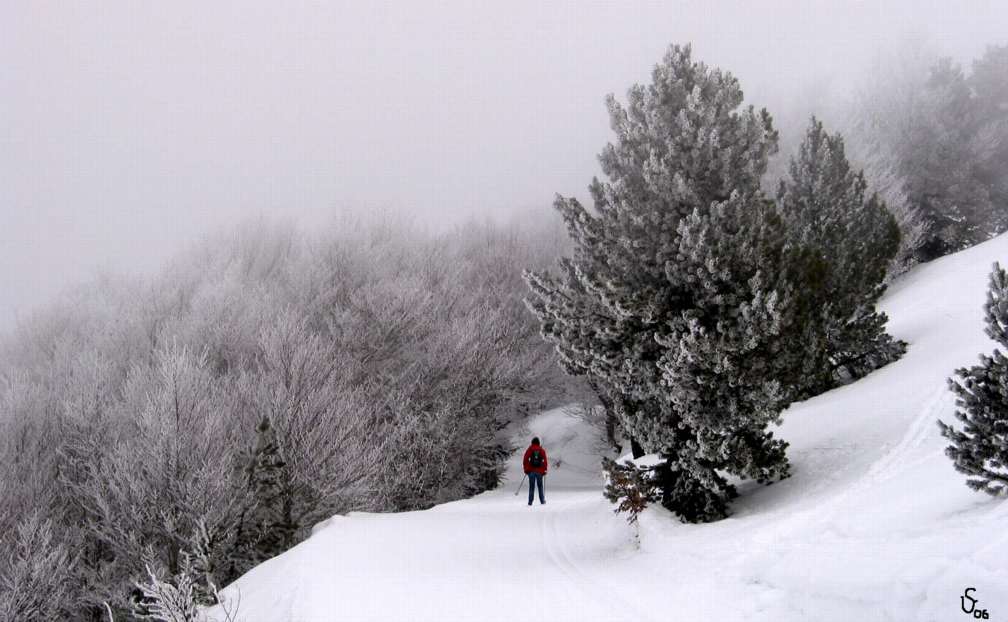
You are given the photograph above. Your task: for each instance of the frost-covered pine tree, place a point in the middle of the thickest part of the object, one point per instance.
(265, 477)
(980, 448)
(264, 530)
(843, 241)
(674, 301)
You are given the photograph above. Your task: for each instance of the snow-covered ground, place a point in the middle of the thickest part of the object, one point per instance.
(873, 525)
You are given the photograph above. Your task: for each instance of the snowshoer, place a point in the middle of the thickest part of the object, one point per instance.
(534, 464)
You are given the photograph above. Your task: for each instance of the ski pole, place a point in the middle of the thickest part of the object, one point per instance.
(521, 484)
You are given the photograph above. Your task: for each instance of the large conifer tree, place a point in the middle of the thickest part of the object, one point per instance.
(674, 302)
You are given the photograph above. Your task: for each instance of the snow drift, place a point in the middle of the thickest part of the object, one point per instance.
(874, 524)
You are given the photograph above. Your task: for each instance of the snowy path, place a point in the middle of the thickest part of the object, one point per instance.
(873, 525)
(492, 554)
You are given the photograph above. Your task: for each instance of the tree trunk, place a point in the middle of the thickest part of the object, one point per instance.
(635, 447)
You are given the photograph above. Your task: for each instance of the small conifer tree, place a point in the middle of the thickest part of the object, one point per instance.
(264, 530)
(630, 487)
(980, 449)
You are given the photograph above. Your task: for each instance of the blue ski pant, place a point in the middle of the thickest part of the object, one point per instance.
(536, 479)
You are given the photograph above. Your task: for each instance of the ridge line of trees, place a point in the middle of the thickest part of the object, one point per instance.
(197, 424)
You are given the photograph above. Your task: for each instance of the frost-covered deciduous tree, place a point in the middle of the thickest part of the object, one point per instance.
(989, 83)
(843, 240)
(876, 121)
(179, 598)
(941, 162)
(674, 302)
(943, 134)
(301, 384)
(36, 573)
(165, 473)
(382, 357)
(979, 448)
(879, 168)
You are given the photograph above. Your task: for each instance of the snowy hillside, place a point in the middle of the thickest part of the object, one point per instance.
(873, 525)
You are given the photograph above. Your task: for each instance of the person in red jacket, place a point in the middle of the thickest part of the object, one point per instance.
(534, 464)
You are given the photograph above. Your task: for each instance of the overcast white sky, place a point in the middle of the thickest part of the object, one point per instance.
(129, 128)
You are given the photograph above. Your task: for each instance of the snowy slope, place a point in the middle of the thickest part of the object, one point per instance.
(873, 525)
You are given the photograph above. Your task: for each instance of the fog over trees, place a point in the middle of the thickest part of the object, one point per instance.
(263, 382)
(263, 269)
(130, 132)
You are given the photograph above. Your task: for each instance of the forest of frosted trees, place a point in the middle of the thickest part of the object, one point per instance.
(209, 417)
(182, 428)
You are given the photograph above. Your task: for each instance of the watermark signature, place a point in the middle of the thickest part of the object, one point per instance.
(973, 608)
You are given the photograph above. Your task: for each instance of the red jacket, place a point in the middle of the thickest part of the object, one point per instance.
(529, 468)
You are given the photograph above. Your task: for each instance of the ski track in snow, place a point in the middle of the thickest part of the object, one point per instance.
(563, 564)
(923, 427)
(886, 466)
(594, 588)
